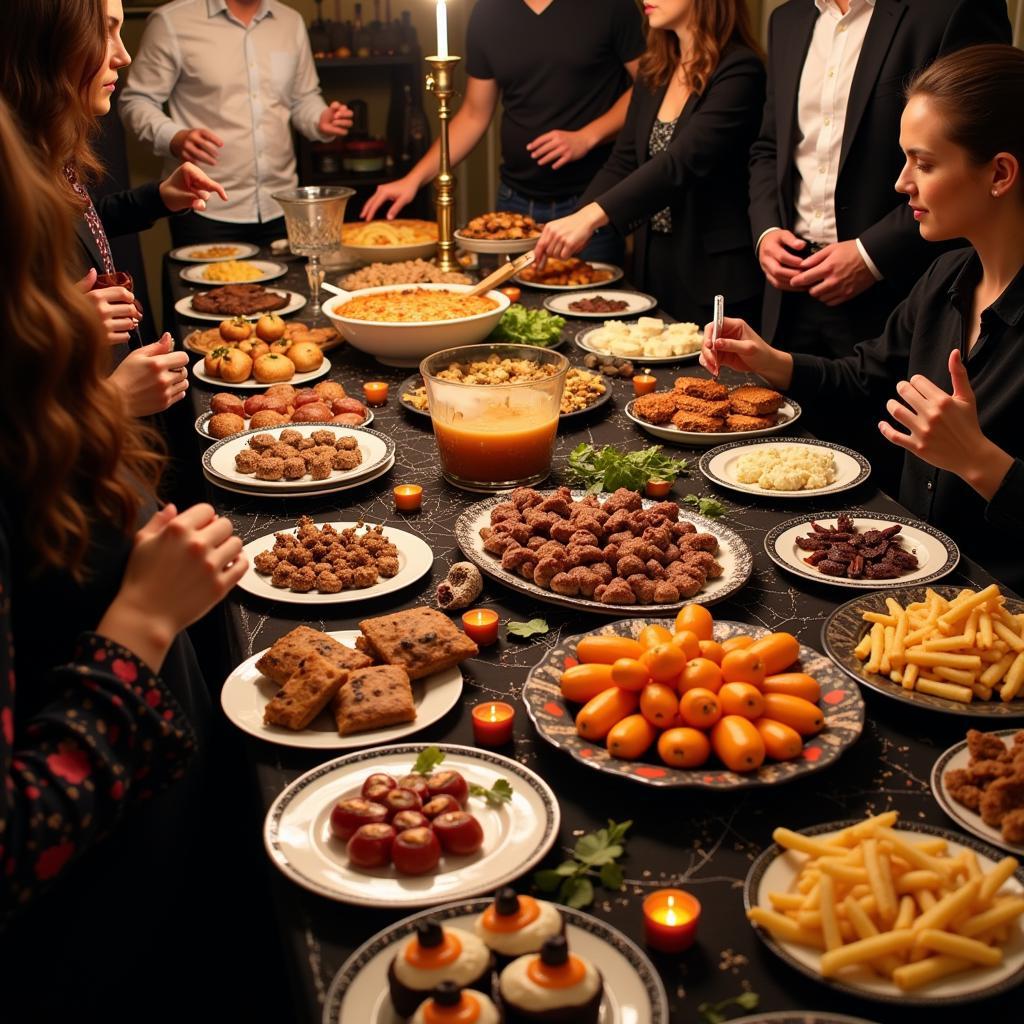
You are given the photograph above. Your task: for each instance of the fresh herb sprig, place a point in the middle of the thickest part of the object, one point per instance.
(595, 855)
(535, 627)
(709, 507)
(714, 1013)
(607, 468)
(429, 759)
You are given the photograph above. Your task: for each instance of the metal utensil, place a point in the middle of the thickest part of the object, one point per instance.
(502, 274)
(717, 319)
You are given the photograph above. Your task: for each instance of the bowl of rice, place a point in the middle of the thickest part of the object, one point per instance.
(402, 324)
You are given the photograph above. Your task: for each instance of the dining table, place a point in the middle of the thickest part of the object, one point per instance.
(700, 840)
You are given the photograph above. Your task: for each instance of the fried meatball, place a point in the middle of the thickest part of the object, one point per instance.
(262, 442)
(282, 575)
(616, 592)
(364, 576)
(387, 566)
(283, 451)
(294, 468)
(247, 461)
(303, 580)
(328, 583)
(269, 468)
(290, 436)
(265, 562)
(323, 437)
(346, 443)
(320, 467)
(346, 460)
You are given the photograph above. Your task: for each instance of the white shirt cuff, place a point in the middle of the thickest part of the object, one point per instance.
(163, 135)
(868, 262)
(757, 246)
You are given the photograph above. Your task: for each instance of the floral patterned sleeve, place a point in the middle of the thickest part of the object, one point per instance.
(115, 736)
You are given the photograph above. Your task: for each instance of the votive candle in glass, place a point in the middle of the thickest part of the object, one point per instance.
(644, 384)
(408, 497)
(481, 626)
(670, 920)
(376, 391)
(493, 723)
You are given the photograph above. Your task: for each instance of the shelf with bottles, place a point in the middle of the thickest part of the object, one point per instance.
(379, 42)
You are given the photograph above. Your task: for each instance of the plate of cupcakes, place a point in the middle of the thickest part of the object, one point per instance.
(510, 958)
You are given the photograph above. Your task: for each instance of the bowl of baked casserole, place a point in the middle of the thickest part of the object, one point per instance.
(401, 324)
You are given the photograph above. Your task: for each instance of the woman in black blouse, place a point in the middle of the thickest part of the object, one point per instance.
(59, 63)
(679, 162)
(962, 326)
(96, 588)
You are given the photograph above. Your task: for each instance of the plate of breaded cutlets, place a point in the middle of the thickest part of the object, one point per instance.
(697, 411)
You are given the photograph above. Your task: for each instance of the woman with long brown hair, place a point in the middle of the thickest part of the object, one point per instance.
(96, 588)
(59, 61)
(961, 327)
(678, 173)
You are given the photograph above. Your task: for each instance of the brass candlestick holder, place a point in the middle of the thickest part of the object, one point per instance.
(439, 82)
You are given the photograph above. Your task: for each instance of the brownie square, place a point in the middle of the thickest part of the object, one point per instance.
(283, 658)
(373, 698)
(305, 694)
(421, 640)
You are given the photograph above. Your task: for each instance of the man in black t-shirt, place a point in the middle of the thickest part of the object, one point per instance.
(563, 71)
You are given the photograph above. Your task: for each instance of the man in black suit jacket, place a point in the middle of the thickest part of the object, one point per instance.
(838, 245)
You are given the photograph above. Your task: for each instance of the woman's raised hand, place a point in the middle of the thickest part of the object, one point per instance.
(739, 347)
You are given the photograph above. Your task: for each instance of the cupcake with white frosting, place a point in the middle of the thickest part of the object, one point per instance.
(434, 955)
(451, 1005)
(515, 925)
(551, 987)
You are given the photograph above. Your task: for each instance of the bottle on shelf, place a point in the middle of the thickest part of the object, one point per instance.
(320, 33)
(361, 38)
(415, 131)
(408, 43)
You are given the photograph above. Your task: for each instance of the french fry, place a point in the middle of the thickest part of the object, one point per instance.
(913, 881)
(834, 960)
(888, 635)
(806, 844)
(910, 677)
(971, 627)
(956, 675)
(829, 922)
(943, 659)
(951, 691)
(1013, 681)
(863, 649)
(784, 928)
(1000, 913)
(907, 912)
(1012, 640)
(783, 901)
(879, 618)
(995, 672)
(877, 647)
(880, 880)
(984, 631)
(962, 607)
(959, 946)
(911, 976)
(993, 881)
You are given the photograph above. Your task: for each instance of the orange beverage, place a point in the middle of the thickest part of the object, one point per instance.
(493, 436)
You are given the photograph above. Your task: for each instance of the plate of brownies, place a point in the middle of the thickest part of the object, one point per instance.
(979, 783)
(331, 563)
(319, 691)
(698, 411)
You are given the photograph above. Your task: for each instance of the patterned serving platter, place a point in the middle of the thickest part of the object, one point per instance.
(845, 627)
(733, 555)
(775, 870)
(799, 1017)
(554, 718)
(633, 991)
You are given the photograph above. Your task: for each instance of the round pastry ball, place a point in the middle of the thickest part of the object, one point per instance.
(285, 391)
(235, 366)
(273, 367)
(349, 419)
(313, 412)
(258, 348)
(270, 327)
(267, 418)
(224, 424)
(349, 405)
(330, 391)
(306, 356)
(224, 401)
(304, 397)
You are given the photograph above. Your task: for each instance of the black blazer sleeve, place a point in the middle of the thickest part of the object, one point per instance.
(623, 160)
(894, 240)
(764, 207)
(136, 209)
(704, 141)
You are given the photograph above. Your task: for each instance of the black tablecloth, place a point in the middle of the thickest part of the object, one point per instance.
(695, 839)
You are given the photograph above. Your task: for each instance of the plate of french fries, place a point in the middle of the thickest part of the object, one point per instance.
(907, 913)
(960, 651)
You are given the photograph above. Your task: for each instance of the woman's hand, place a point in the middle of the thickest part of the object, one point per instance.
(944, 430)
(181, 565)
(152, 378)
(188, 188)
(565, 237)
(115, 306)
(398, 193)
(741, 348)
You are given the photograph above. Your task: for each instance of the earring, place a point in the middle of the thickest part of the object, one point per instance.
(995, 193)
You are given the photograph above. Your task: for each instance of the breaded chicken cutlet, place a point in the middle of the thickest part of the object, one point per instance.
(737, 421)
(750, 400)
(717, 409)
(657, 408)
(697, 421)
(700, 387)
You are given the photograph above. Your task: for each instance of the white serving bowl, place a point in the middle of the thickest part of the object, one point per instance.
(405, 344)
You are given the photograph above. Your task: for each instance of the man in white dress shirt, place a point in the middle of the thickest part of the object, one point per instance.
(236, 75)
(838, 245)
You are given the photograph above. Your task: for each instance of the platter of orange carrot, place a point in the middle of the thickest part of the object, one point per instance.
(694, 702)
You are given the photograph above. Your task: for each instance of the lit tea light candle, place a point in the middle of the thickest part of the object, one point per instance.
(657, 488)
(644, 384)
(481, 626)
(670, 920)
(408, 497)
(492, 723)
(376, 391)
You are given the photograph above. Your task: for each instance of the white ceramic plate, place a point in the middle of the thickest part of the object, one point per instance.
(581, 340)
(937, 555)
(297, 833)
(616, 275)
(184, 307)
(254, 385)
(219, 459)
(776, 870)
(636, 303)
(203, 422)
(347, 486)
(788, 413)
(240, 250)
(633, 991)
(719, 466)
(414, 559)
(246, 692)
(390, 253)
(799, 1017)
(958, 756)
(269, 270)
(495, 246)
(733, 555)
